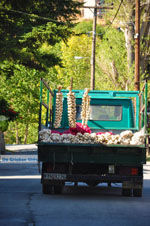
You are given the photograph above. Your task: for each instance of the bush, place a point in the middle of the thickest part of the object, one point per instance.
(6, 111)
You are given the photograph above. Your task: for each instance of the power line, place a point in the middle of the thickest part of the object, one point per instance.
(117, 11)
(33, 15)
(95, 7)
(115, 15)
(111, 21)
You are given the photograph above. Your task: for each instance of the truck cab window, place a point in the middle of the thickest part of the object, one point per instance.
(102, 112)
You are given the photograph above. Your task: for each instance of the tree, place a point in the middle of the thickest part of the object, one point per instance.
(30, 32)
(111, 63)
(145, 34)
(76, 62)
(27, 25)
(6, 114)
(24, 95)
(76, 56)
(125, 21)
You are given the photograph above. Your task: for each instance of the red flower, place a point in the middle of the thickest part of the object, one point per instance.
(99, 133)
(80, 129)
(11, 110)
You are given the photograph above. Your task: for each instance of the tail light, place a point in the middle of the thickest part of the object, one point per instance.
(134, 171)
(127, 170)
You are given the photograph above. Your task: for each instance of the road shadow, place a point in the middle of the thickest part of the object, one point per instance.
(84, 191)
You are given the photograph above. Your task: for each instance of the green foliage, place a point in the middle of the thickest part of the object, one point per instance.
(6, 111)
(7, 114)
(76, 55)
(26, 25)
(31, 33)
(38, 40)
(86, 27)
(23, 92)
(78, 69)
(124, 18)
(3, 123)
(23, 95)
(10, 134)
(111, 61)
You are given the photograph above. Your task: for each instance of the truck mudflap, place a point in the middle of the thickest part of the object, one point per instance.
(57, 177)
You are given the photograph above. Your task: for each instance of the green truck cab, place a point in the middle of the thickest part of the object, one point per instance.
(110, 111)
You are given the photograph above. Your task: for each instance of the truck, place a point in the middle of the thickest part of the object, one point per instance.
(111, 112)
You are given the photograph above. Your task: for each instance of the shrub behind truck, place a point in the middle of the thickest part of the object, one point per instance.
(114, 150)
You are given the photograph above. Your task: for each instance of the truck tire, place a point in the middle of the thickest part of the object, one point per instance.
(58, 189)
(47, 189)
(137, 192)
(126, 192)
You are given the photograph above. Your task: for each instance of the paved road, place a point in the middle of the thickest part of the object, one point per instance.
(22, 202)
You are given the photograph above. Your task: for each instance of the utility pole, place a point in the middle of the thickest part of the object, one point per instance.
(95, 7)
(137, 45)
(93, 48)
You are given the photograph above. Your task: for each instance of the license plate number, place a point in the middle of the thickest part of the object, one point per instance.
(54, 176)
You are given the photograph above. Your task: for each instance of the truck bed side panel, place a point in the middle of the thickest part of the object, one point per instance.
(77, 153)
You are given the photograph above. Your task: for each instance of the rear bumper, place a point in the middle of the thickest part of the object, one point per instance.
(58, 177)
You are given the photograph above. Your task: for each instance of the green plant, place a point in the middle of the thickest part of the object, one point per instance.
(6, 111)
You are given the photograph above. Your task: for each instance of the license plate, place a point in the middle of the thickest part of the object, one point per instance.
(54, 176)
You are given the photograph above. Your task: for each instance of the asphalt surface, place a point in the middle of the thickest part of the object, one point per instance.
(22, 201)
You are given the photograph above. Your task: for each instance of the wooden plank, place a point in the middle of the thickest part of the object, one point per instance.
(47, 86)
(45, 105)
(143, 108)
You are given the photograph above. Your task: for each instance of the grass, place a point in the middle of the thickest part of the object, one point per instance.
(148, 158)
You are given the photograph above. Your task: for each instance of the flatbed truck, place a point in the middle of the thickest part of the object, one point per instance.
(95, 163)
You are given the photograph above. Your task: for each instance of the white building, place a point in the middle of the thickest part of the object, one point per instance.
(88, 13)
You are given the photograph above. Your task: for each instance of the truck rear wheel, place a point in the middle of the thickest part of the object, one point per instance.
(126, 191)
(58, 189)
(137, 192)
(46, 188)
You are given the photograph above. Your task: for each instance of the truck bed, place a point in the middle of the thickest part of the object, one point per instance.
(92, 153)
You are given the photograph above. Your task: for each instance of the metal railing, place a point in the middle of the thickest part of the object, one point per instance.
(47, 105)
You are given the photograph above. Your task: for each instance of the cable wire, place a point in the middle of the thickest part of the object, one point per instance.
(34, 16)
(115, 15)
(111, 21)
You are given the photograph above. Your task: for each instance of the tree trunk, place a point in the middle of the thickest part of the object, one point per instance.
(2, 143)
(17, 134)
(129, 35)
(26, 134)
(145, 34)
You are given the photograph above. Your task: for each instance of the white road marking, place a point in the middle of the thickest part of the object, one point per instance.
(21, 177)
